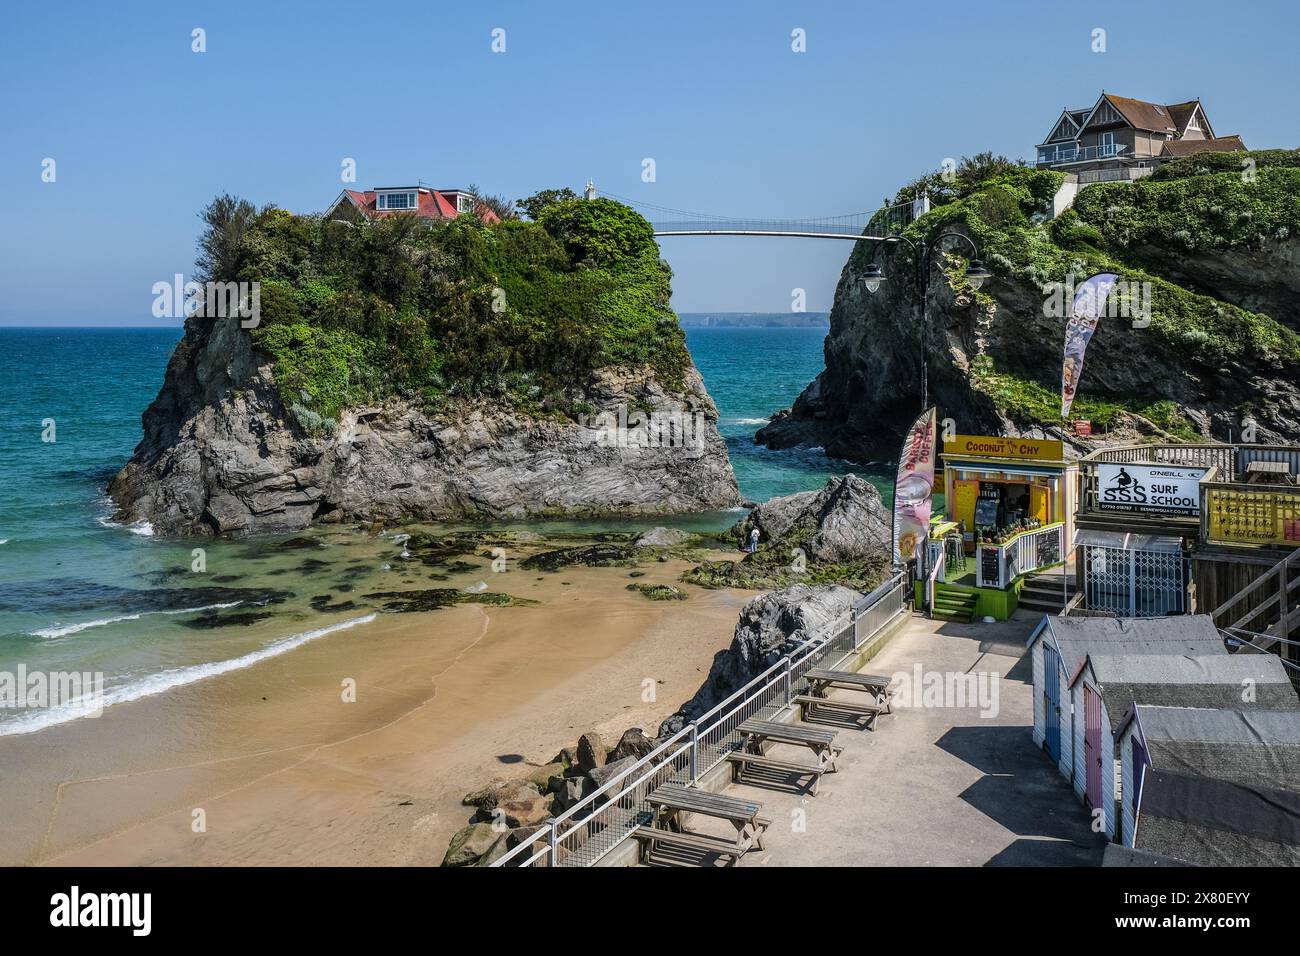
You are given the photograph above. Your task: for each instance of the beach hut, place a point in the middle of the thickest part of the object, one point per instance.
(1112, 679)
(1059, 645)
(1256, 747)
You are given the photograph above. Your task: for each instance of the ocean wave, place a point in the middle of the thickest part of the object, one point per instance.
(141, 527)
(63, 630)
(166, 680)
(749, 421)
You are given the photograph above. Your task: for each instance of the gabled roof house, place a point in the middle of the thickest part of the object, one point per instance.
(421, 201)
(1118, 131)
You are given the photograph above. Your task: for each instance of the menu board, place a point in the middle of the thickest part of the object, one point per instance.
(1237, 516)
(986, 511)
(1049, 549)
(990, 568)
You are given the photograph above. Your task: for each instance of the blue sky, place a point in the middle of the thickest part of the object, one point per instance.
(144, 132)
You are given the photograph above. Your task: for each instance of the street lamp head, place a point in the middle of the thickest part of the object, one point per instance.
(872, 277)
(976, 274)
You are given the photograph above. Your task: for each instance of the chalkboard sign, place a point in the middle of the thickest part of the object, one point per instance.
(1049, 549)
(990, 572)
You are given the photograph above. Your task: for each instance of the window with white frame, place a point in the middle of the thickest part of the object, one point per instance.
(464, 202)
(395, 201)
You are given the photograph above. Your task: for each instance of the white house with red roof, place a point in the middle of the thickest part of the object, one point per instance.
(422, 201)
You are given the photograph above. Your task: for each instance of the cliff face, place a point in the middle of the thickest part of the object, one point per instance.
(220, 455)
(1217, 352)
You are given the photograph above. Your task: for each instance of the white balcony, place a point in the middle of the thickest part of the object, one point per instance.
(1062, 155)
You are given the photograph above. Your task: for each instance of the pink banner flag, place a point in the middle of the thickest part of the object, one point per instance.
(1089, 302)
(913, 488)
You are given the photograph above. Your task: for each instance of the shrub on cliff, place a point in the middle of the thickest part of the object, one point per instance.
(521, 311)
(1104, 232)
(598, 231)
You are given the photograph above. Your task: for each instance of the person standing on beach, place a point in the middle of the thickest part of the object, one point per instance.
(753, 541)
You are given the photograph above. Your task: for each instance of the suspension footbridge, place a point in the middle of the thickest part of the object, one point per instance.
(876, 224)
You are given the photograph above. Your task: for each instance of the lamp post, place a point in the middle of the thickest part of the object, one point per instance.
(976, 275)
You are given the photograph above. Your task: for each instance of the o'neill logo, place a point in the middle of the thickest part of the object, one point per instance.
(1155, 489)
(75, 908)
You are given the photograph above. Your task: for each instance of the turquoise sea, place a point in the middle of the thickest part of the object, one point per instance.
(79, 593)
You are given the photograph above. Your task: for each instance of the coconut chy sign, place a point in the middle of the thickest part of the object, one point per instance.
(1149, 489)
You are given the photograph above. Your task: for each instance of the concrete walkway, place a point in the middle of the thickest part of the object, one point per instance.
(935, 785)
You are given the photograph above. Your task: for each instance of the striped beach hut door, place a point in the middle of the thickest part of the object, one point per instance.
(1052, 701)
(1092, 744)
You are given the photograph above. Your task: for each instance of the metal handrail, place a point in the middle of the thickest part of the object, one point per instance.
(800, 656)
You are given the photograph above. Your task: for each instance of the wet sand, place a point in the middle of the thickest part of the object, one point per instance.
(270, 766)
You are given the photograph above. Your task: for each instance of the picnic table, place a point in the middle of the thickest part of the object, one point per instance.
(670, 801)
(820, 680)
(817, 739)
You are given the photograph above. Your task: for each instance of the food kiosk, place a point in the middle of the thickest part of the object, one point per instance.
(1009, 510)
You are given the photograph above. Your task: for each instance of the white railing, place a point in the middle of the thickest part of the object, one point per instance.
(594, 826)
(939, 557)
(1027, 551)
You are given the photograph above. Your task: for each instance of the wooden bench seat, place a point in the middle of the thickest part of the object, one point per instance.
(739, 760)
(808, 702)
(653, 836)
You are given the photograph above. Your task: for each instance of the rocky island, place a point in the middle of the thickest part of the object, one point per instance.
(1214, 238)
(404, 371)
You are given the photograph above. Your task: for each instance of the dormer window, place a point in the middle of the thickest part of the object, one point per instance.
(396, 200)
(464, 202)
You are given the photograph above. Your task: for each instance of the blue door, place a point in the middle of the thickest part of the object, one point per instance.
(1052, 702)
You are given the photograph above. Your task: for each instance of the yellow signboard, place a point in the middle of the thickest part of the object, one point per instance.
(1253, 517)
(993, 446)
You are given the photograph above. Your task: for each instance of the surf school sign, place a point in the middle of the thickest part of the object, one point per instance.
(1149, 489)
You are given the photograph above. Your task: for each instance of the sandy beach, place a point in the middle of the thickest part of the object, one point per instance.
(269, 765)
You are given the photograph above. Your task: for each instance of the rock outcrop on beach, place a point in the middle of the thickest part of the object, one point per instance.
(220, 457)
(1212, 348)
(840, 533)
(845, 521)
(387, 379)
(771, 626)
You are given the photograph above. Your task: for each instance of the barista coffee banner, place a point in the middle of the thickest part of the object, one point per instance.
(1089, 302)
(913, 488)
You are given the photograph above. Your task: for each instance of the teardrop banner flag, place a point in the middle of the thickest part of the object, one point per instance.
(913, 488)
(1085, 313)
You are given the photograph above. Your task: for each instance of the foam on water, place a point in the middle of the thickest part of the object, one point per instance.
(63, 630)
(163, 681)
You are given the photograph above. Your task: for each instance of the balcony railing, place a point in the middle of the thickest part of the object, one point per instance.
(1059, 155)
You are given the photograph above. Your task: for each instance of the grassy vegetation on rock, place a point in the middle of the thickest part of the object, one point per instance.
(355, 313)
(1202, 203)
